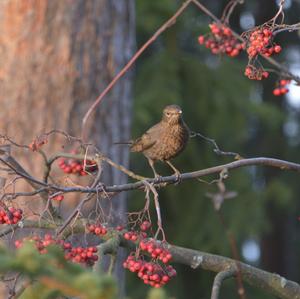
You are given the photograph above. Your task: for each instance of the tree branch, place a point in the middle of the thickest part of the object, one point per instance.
(173, 179)
(271, 282)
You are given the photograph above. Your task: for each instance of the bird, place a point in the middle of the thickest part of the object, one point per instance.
(165, 140)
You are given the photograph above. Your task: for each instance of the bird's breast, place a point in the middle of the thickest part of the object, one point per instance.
(172, 141)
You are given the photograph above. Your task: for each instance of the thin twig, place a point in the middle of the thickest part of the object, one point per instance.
(157, 208)
(216, 147)
(161, 29)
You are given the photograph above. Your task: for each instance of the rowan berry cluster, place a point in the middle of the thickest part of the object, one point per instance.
(260, 41)
(221, 40)
(135, 235)
(156, 251)
(281, 87)
(10, 216)
(82, 255)
(37, 143)
(78, 167)
(131, 236)
(145, 225)
(97, 229)
(152, 273)
(254, 73)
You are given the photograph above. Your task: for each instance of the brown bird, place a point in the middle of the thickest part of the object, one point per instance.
(165, 140)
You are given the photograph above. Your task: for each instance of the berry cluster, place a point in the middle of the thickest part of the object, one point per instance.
(131, 236)
(221, 40)
(79, 254)
(151, 273)
(281, 87)
(156, 250)
(77, 166)
(10, 216)
(97, 229)
(254, 73)
(260, 41)
(37, 143)
(145, 225)
(135, 235)
(82, 255)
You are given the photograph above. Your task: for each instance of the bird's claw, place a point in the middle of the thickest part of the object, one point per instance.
(178, 177)
(157, 179)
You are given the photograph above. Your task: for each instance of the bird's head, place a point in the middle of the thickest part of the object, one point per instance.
(172, 114)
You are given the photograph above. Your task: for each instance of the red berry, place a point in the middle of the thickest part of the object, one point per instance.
(134, 237)
(234, 52)
(276, 92)
(67, 169)
(98, 230)
(201, 39)
(78, 167)
(265, 74)
(227, 31)
(283, 82)
(277, 49)
(267, 32)
(283, 90)
(127, 236)
(165, 278)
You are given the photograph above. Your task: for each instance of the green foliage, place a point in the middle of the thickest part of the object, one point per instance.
(51, 276)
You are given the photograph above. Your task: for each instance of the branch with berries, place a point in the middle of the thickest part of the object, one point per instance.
(156, 270)
(257, 42)
(151, 259)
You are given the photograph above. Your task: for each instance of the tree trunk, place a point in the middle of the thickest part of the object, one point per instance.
(55, 58)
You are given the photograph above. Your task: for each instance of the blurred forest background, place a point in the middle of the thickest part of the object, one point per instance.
(242, 116)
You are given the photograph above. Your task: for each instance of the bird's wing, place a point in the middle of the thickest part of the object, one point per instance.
(147, 140)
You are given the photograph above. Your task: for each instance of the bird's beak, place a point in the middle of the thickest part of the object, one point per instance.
(180, 111)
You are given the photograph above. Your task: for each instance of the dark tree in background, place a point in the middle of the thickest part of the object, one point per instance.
(55, 58)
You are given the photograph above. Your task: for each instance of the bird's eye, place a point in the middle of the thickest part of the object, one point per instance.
(168, 113)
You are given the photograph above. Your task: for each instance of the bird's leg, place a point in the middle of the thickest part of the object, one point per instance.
(151, 163)
(177, 172)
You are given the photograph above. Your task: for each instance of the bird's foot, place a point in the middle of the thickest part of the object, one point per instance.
(157, 179)
(178, 177)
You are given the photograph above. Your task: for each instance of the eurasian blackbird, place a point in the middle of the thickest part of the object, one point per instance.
(165, 140)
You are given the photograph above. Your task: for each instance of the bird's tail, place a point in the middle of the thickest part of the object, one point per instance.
(123, 143)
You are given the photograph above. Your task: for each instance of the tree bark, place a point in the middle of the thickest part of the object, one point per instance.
(55, 58)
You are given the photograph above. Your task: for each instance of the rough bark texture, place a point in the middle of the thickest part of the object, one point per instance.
(55, 58)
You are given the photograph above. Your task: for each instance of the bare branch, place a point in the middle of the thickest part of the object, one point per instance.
(284, 165)
(220, 277)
